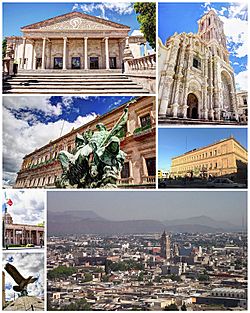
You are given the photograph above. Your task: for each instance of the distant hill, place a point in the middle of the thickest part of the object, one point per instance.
(202, 220)
(88, 222)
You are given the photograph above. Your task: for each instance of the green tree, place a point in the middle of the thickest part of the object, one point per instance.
(88, 277)
(4, 47)
(203, 277)
(61, 272)
(171, 307)
(147, 20)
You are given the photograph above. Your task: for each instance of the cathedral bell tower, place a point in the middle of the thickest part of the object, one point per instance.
(165, 246)
(212, 32)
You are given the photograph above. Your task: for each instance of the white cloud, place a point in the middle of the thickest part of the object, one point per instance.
(37, 103)
(19, 138)
(241, 80)
(235, 26)
(28, 264)
(27, 207)
(237, 34)
(120, 8)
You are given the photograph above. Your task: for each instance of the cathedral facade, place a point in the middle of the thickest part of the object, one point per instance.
(196, 79)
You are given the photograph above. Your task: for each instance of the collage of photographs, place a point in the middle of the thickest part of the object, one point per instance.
(124, 156)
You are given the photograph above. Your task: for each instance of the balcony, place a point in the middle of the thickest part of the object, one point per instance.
(141, 131)
(148, 179)
(125, 181)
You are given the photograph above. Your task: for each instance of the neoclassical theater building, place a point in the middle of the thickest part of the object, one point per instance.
(41, 168)
(196, 80)
(76, 43)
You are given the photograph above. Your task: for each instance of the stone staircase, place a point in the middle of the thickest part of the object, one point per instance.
(70, 82)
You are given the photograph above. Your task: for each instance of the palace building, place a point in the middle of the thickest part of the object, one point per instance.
(41, 167)
(22, 234)
(226, 158)
(196, 80)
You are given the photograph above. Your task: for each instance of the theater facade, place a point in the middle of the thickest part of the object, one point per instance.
(41, 168)
(74, 41)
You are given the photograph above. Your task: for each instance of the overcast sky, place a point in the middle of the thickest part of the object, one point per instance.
(28, 264)
(27, 207)
(227, 206)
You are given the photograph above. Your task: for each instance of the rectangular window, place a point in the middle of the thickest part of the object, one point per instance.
(150, 162)
(94, 63)
(145, 120)
(112, 62)
(196, 62)
(125, 173)
(58, 63)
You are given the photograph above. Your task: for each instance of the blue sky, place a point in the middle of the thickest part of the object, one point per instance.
(176, 141)
(29, 13)
(183, 17)
(31, 122)
(69, 108)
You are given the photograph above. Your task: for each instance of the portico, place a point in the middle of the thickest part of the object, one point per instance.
(71, 41)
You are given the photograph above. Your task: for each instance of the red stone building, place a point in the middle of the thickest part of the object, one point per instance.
(40, 168)
(22, 234)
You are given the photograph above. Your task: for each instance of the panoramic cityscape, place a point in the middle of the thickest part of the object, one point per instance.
(102, 257)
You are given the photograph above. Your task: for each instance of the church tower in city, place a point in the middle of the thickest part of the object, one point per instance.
(165, 246)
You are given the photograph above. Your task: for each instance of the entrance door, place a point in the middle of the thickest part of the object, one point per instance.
(192, 102)
(112, 62)
(58, 63)
(38, 63)
(75, 63)
(94, 63)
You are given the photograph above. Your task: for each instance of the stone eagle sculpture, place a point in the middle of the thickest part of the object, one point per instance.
(19, 279)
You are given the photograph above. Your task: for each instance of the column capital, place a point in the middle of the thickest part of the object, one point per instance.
(86, 38)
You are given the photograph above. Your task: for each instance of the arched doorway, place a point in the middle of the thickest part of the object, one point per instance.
(192, 102)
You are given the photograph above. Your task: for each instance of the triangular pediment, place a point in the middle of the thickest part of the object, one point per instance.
(74, 21)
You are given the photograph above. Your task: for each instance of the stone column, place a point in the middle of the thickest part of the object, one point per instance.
(145, 49)
(210, 88)
(216, 89)
(205, 109)
(32, 55)
(85, 53)
(64, 53)
(107, 52)
(23, 56)
(49, 57)
(43, 54)
(176, 103)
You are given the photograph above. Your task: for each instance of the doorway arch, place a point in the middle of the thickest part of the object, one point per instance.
(192, 102)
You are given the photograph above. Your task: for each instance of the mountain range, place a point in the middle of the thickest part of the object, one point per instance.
(88, 222)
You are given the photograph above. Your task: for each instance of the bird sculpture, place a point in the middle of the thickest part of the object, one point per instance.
(22, 283)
